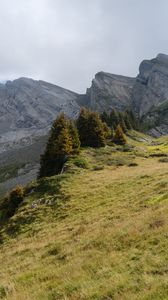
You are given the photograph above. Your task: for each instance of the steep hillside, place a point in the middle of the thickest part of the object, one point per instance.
(98, 231)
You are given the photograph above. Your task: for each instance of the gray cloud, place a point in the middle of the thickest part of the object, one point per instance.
(67, 41)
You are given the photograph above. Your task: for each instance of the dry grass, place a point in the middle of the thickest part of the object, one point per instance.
(104, 238)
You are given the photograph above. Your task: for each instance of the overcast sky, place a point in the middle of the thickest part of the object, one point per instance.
(67, 41)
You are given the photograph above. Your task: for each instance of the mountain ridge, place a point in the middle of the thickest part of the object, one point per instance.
(28, 107)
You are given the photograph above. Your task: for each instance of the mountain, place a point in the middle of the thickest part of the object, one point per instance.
(150, 94)
(28, 108)
(146, 95)
(110, 91)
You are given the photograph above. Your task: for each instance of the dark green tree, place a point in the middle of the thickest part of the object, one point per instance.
(91, 129)
(105, 118)
(127, 121)
(96, 132)
(133, 119)
(114, 118)
(58, 148)
(82, 126)
(74, 137)
(123, 126)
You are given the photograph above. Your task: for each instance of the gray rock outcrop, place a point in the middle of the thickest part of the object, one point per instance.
(110, 91)
(28, 108)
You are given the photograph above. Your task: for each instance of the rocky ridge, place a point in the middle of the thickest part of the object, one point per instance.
(28, 108)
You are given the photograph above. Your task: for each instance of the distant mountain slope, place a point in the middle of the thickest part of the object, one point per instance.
(28, 107)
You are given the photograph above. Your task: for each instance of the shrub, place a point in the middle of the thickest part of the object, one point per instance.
(2, 292)
(81, 162)
(133, 164)
(164, 160)
(15, 197)
(119, 137)
(98, 168)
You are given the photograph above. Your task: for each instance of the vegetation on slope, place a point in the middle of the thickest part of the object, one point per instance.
(98, 231)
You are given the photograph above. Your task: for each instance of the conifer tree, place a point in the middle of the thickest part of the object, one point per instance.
(105, 118)
(133, 120)
(114, 118)
(96, 133)
(74, 137)
(107, 130)
(82, 126)
(127, 121)
(123, 126)
(119, 137)
(91, 129)
(58, 148)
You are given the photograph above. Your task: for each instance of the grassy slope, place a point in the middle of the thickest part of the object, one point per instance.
(104, 236)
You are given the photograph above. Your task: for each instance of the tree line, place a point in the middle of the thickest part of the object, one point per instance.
(89, 130)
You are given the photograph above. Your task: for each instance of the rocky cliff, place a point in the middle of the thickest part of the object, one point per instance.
(27, 109)
(150, 94)
(109, 91)
(147, 94)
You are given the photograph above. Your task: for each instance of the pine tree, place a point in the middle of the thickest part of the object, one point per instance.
(82, 126)
(114, 118)
(91, 129)
(105, 118)
(119, 137)
(107, 130)
(58, 148)
(74, 137)
(123, 126)
(127, 121)
(133, 120)
(96, 133)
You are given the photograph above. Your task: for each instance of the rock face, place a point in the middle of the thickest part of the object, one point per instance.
(147, 94)
(28, 107)
(109, 91)
(151, 87)
(150, 94)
